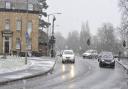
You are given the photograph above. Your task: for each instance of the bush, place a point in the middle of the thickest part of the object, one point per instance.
(36, 54)
(22, 54)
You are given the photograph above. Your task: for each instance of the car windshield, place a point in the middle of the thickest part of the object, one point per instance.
(94, 52)
(107, 55)
(68, 52)
(91, 51)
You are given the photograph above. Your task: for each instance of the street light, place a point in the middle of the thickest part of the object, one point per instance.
(52, 39)
(26, 37)
(53, 15)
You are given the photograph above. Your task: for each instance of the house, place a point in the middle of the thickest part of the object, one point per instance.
(19, 26)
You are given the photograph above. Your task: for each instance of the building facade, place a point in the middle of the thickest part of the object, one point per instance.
(19, 24)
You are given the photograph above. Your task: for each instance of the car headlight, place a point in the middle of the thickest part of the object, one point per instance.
(72, 57)
(102, 60)
(87, 54)
(63, 57)
(112, 60)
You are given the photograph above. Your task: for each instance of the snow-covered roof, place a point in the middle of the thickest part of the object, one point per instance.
(20, 4)
(21, 1)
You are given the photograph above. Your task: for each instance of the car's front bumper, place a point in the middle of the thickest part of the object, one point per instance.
(68, 59)
(108, 63)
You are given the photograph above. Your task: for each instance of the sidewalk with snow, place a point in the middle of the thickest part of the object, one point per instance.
(13, 63)
(14, 68)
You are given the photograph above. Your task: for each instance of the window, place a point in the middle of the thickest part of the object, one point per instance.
(29, 29)
(6, 38)
(30, 6)
(18, 43)
(7, 24)
(18, 25)
(8, 5)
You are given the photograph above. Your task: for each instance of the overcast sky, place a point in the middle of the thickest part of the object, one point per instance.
(74, 12)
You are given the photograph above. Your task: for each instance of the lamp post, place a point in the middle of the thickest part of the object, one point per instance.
(26, 35)
(53, 15)
(51, 41)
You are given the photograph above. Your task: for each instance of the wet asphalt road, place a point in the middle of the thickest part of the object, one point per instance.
(84, 74)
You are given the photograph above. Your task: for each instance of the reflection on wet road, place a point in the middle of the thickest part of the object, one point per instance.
(84, 74)
(71, 70)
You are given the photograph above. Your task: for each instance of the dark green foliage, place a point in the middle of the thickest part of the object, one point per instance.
(44, 24)
(42, 5)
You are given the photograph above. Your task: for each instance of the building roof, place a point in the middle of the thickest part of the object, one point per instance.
(21, 1)
(19, 5)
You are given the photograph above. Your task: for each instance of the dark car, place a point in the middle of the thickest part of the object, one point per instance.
(106, 59)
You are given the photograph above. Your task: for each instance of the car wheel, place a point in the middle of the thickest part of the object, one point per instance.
(89, 57)
(96, 57)
(73, 61)
(63, 62)
(83, 57)
(113, 66)
(100, 64)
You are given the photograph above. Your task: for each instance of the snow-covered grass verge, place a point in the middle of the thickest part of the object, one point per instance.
(12, 64)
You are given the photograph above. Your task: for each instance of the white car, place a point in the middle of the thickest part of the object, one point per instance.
(68, 56)
(90, 54)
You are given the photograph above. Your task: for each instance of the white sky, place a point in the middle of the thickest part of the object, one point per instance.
(74, 12)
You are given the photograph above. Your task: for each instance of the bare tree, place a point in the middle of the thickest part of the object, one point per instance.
(84, 36)
(123, 4)
(73, 41)
(107, 40)
(94, 42)
(60, 41)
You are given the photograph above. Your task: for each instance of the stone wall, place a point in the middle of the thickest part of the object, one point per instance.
(24, 17)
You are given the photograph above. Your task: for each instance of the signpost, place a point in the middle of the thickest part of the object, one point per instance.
(27, 44)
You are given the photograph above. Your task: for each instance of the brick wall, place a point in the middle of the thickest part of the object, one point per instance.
(24, 17)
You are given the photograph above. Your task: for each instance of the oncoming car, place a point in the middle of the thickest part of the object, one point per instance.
(90, 54)
(106, 59)
(68, 56)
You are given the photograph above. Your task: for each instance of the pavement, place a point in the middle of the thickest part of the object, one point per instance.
(14, 68)
(124, 63)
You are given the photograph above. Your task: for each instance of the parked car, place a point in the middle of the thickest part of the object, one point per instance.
(90, 54)
(106, 59)
(68, 56)
(23, 54)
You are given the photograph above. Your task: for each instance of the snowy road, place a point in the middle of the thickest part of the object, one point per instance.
(84, 74)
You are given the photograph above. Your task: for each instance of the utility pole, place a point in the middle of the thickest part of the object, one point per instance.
(26, 35)
(51, 41)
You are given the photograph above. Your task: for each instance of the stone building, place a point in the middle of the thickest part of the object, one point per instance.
(19, 19)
